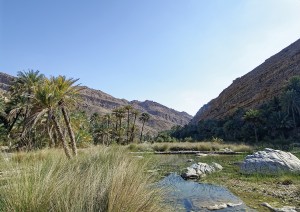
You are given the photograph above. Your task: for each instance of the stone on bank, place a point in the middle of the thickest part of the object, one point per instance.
(198, 170)
(270, 161)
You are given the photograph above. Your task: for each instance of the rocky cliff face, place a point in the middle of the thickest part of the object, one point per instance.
(5, 81)
(256, 87)
(162, 117)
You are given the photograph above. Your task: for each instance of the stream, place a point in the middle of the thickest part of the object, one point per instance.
(188, 196)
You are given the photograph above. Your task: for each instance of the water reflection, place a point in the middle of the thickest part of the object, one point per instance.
(191, 196)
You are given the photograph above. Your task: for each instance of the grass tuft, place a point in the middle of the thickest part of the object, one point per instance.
(99, 179)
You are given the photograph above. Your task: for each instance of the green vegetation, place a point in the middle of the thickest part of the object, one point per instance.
(40, 112)
(99, 179)
(276, 122)
(43, 113)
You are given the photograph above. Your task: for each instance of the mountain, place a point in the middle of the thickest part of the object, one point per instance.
(256, 87)
(5, 81)
(162, 117)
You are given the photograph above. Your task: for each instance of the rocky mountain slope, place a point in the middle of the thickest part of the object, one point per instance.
(162, 117)
(256, 87)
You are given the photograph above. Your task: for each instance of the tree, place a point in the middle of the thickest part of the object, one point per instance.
(253, 117)
(144, 118)
(128, 109)
(20, 102)
(291, 104)
(45, 101)
(132, 134)
(68, 96)
(119, 114)
(3, 120)
(291, 99)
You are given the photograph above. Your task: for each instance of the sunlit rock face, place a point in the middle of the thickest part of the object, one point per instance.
(256, 87)
(270, 161)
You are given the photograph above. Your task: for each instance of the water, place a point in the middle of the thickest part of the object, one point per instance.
(188, 196)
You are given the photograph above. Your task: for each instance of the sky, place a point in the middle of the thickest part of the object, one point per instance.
(180, 53)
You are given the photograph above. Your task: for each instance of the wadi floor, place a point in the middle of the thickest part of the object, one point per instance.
(278, 191)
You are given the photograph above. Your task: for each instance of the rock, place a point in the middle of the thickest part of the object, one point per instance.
(217, 207)
(201, 155)
(138, 157)
(190, 160)
(223, 205)
(226, 150)
(217, 166)
(190, 173)
(270, 161)
(283, 209)
(234, 205)
(198, 170)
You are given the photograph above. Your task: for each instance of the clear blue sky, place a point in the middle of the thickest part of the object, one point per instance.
(181, 53)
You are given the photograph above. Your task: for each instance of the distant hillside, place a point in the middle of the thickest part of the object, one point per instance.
(256, 87)
(5, 81)
(162, 117)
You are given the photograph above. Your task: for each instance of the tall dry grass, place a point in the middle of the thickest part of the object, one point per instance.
(189, 146)
(101, 179)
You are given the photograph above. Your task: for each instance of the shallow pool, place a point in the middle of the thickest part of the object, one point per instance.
(191, 196)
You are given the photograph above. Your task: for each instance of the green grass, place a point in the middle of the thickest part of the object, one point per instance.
(99, 179)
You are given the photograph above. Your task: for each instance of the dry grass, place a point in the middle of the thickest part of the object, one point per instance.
(190, 146)
(99, 179)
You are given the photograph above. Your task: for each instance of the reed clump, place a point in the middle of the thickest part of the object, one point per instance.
(99, 179)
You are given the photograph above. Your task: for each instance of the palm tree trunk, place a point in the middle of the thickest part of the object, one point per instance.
(61, 137)
(142, 132)
(55, 138)
(127, 139)
(132, 129)
(120, 132)
(51, 143)
(255, 132)
(294, 118)
(70, 131)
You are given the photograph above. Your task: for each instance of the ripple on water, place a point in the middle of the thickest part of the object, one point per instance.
(185, 195)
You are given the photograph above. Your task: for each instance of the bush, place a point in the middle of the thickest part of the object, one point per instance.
(160, 147)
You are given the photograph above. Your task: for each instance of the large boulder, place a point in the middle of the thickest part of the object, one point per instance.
(198, 170)
(270, 161)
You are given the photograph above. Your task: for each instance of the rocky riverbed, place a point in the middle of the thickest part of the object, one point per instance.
(278, 191)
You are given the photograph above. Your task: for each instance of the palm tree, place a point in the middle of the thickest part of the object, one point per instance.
(68, 94)
(107, 118)
(144, 118)
(128, 109)
(20, 103)
(135, 114)
(253, 116)
(294, 84)
(120, 114)
(45, 101)
(291, 104)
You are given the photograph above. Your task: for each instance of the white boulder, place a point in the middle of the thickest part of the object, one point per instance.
(270, 161)
(200, 170)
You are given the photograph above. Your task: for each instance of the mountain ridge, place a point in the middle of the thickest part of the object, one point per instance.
(162, 117)
(256, 87)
